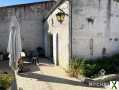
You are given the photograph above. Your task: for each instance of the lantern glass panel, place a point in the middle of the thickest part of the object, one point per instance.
(62, 17)
(58, 18)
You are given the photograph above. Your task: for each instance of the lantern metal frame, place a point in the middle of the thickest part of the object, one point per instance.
(60, 17)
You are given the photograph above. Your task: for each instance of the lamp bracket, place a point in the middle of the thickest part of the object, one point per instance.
(63, 12)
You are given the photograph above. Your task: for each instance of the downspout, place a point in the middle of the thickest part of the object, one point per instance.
(44, 36)
(43, 23)
(70, 29)
(107, 33)
(108, 19)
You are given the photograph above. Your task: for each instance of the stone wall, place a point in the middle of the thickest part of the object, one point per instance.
(30, 17)
(95, 28)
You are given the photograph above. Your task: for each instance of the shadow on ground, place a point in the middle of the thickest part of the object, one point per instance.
(47, 78)
(29, 67)
(53, 79)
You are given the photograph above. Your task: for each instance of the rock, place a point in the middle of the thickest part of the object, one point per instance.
(108, 78)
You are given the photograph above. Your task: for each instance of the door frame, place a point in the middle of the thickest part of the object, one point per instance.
(55, 48)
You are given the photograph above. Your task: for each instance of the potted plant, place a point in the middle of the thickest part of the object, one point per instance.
(5, 81)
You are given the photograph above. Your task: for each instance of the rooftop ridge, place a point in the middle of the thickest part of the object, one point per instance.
(26, 4)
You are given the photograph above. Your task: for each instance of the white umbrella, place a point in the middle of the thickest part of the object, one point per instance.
(14, 44)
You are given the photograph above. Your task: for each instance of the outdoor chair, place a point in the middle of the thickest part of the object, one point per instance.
(20, 65)
(35, 57)
(35, 60)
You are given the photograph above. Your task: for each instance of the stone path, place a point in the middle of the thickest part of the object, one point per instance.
(48, 77)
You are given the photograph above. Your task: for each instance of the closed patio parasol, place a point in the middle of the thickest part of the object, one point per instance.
(14, 44)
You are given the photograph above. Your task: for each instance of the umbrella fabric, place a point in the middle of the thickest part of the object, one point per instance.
(14, 44)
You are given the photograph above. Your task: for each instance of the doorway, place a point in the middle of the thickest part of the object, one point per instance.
(53, 48)
(50, 47)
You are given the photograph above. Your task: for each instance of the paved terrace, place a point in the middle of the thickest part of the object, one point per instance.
(46, 76)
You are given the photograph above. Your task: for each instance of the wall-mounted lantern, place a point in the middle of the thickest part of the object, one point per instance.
(60, 16)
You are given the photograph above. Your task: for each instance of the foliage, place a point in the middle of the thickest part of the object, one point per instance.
(74, 66)
(91, 68)
(6, 80)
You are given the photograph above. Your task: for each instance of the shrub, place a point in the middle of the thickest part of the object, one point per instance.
(6, 80)
(87, 68)
(91, 68)
(74, 66)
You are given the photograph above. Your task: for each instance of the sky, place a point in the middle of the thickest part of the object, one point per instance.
(14, 2)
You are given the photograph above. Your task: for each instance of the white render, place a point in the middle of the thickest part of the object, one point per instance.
(61, 53)
(30, 17)
(93, 31)
(103, 31)
(89, 30)
(31, 29)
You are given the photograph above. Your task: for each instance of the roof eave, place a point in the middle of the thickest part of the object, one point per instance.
(51, 11)
(20, 5)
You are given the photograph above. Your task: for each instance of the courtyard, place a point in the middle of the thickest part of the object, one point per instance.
(45, 76)
(52, 32)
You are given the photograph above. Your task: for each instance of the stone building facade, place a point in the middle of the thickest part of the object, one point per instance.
(59, 36)
(97, 28)
(89, 30)
(30, 17)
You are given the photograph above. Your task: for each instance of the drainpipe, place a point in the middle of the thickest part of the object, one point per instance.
(44, 37)
(70, 29)
(108, 28)
(107, 33)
